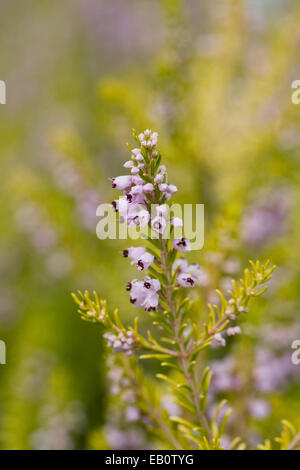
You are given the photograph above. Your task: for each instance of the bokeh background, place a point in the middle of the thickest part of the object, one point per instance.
(214, 79)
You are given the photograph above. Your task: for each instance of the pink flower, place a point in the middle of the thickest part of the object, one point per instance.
(145, 261)
(136, 152)
(148, 188)
(139, 256)
(181, 244)
(233, 330)
(144, 293)
(139, 217)
(188, 274)
(134, 253)
(218, 338)
(122, 182)
(185, 280)
(167, 189)
(137, 180)
(163, 187)
(131, 213)
(136, 195)
(123, 342)
(137, 155)
(182, 265)
(148, 139)
(159, 224)
(162, 210)
(129, 164)
(159, 178)
(172, 189)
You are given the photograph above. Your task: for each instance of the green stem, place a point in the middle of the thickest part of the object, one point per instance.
(153, 412)
(183, 357)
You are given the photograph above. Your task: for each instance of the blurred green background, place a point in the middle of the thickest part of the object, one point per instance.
(214, 79)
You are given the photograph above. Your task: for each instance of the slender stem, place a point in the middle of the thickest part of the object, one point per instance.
(153, 412)
(183, 357)
(190, 379)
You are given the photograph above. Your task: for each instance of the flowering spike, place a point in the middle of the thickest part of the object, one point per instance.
(178, 335)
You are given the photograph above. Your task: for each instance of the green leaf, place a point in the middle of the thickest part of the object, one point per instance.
(185, 404)
(184, 422)
(168, 380)
(154, 356)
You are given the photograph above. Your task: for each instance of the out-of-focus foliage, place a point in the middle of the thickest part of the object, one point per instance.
(214, 78)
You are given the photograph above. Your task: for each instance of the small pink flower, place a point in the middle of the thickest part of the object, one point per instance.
(139, 218)
(185, 280)
(135, 152)
(151, 302)
(122, 182)
(145, 261)
(188, 274)
(172, 189)
(136, 195)
(129, 164)
(182, 244)
(124, 342)
(134, 253)
(144, 293)
(148, 188)
(159, 224)
(131, 213)
(139, 157)
(218, 338)
(135, 215)
(182, 265)
(161, 175)
(162, 169)
(163, 187)
(233, 330)
(137, 293)
(139, 256)
(162, 210)
(159, 178)
(167, 189)
(137, 180)
(148, 138)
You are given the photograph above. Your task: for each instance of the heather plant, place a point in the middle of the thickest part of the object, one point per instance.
(178, 336)
(216, 82)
